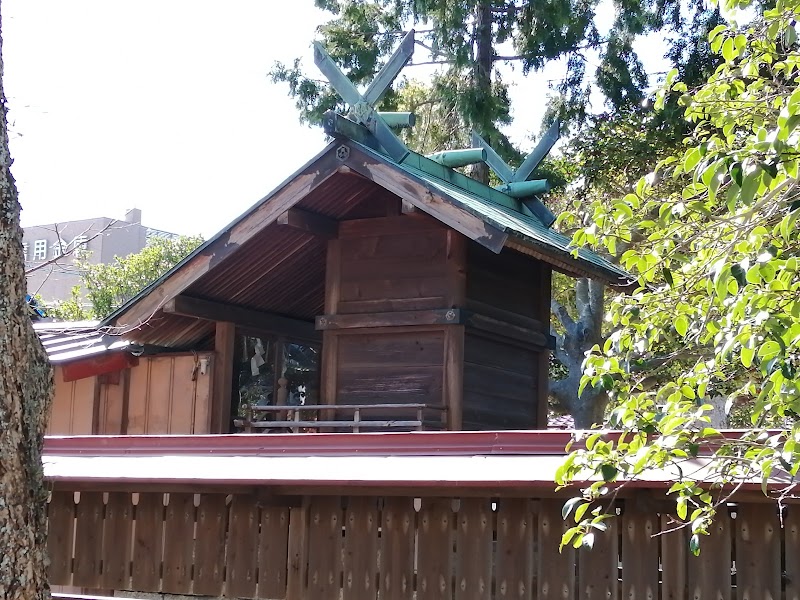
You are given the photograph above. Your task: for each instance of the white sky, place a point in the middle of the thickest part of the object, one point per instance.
(166, 106)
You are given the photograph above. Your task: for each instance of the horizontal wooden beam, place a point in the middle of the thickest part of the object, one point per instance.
(446, 316)
(208, 310)
(102, 364)
(310, 222)
(505, 329)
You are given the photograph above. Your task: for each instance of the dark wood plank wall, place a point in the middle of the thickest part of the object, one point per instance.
(500, 384)
(397, 263)
(391, 367)
(505, 380)
(388, 265)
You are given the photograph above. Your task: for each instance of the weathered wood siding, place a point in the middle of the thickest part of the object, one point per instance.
(505, 379)
(167, 395)
(391, 265)
(500, 384)
(73, 408)
(397, 263)
(162, 394)
(399, 547)
(390, 367)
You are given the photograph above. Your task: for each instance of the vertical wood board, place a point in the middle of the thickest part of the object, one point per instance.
(148, 542)
(324, 548)
(89, 540)
(556, 569)
(639, 555)
(709, 575)
(117, 541)
(514, 561)
(159, 395)
(60, 537)
(273, 552)
(792, 546)
(138, 397)
(361, 522)
(758, 552)
(398, 528)
(182, 406)
(179, 544)
(209, 559)
(674, 554)
(242, 558)
(297, 571)
(435, 549)
(474, 545)
(598, 568)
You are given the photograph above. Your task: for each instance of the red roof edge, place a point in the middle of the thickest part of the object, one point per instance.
(433, 443)
(461, 443)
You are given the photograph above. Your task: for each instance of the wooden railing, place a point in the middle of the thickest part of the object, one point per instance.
(297, 419)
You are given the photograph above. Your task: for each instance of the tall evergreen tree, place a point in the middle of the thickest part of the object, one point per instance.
(471, 38)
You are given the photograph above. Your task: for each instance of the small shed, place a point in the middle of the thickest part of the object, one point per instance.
(104, 384)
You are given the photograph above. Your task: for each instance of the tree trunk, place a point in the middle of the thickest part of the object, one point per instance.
(482, 75)
(25, 394)
(571, 348)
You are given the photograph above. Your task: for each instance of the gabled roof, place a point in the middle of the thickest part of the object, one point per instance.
(282, 271)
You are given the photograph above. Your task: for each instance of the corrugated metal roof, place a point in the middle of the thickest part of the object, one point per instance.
(73, 340)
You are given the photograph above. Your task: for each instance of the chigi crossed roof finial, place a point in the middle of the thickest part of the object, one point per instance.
(375, 129)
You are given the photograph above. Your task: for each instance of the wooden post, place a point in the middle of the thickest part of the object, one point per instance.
(224, 341)
(542, 369)
(454, 375)
(330, 340)
(296, 582)
(454, 334)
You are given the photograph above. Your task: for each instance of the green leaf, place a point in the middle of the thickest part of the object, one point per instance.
(769, 349)
(668, 276)
(694, 545)
(747, 355)
(736, 173)
(608, 472)
(682, 508)
(682, 325)
(569, 506)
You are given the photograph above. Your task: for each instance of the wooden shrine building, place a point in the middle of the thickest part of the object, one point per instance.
(383, 285)
(366, 281)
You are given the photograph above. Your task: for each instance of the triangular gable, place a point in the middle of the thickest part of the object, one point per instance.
(479, 217)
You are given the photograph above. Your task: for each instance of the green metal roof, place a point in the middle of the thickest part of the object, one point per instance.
(503, 212)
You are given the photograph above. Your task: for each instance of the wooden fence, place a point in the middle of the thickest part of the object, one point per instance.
(396, 547)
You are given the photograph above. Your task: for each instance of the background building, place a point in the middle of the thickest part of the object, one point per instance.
(52, 251)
